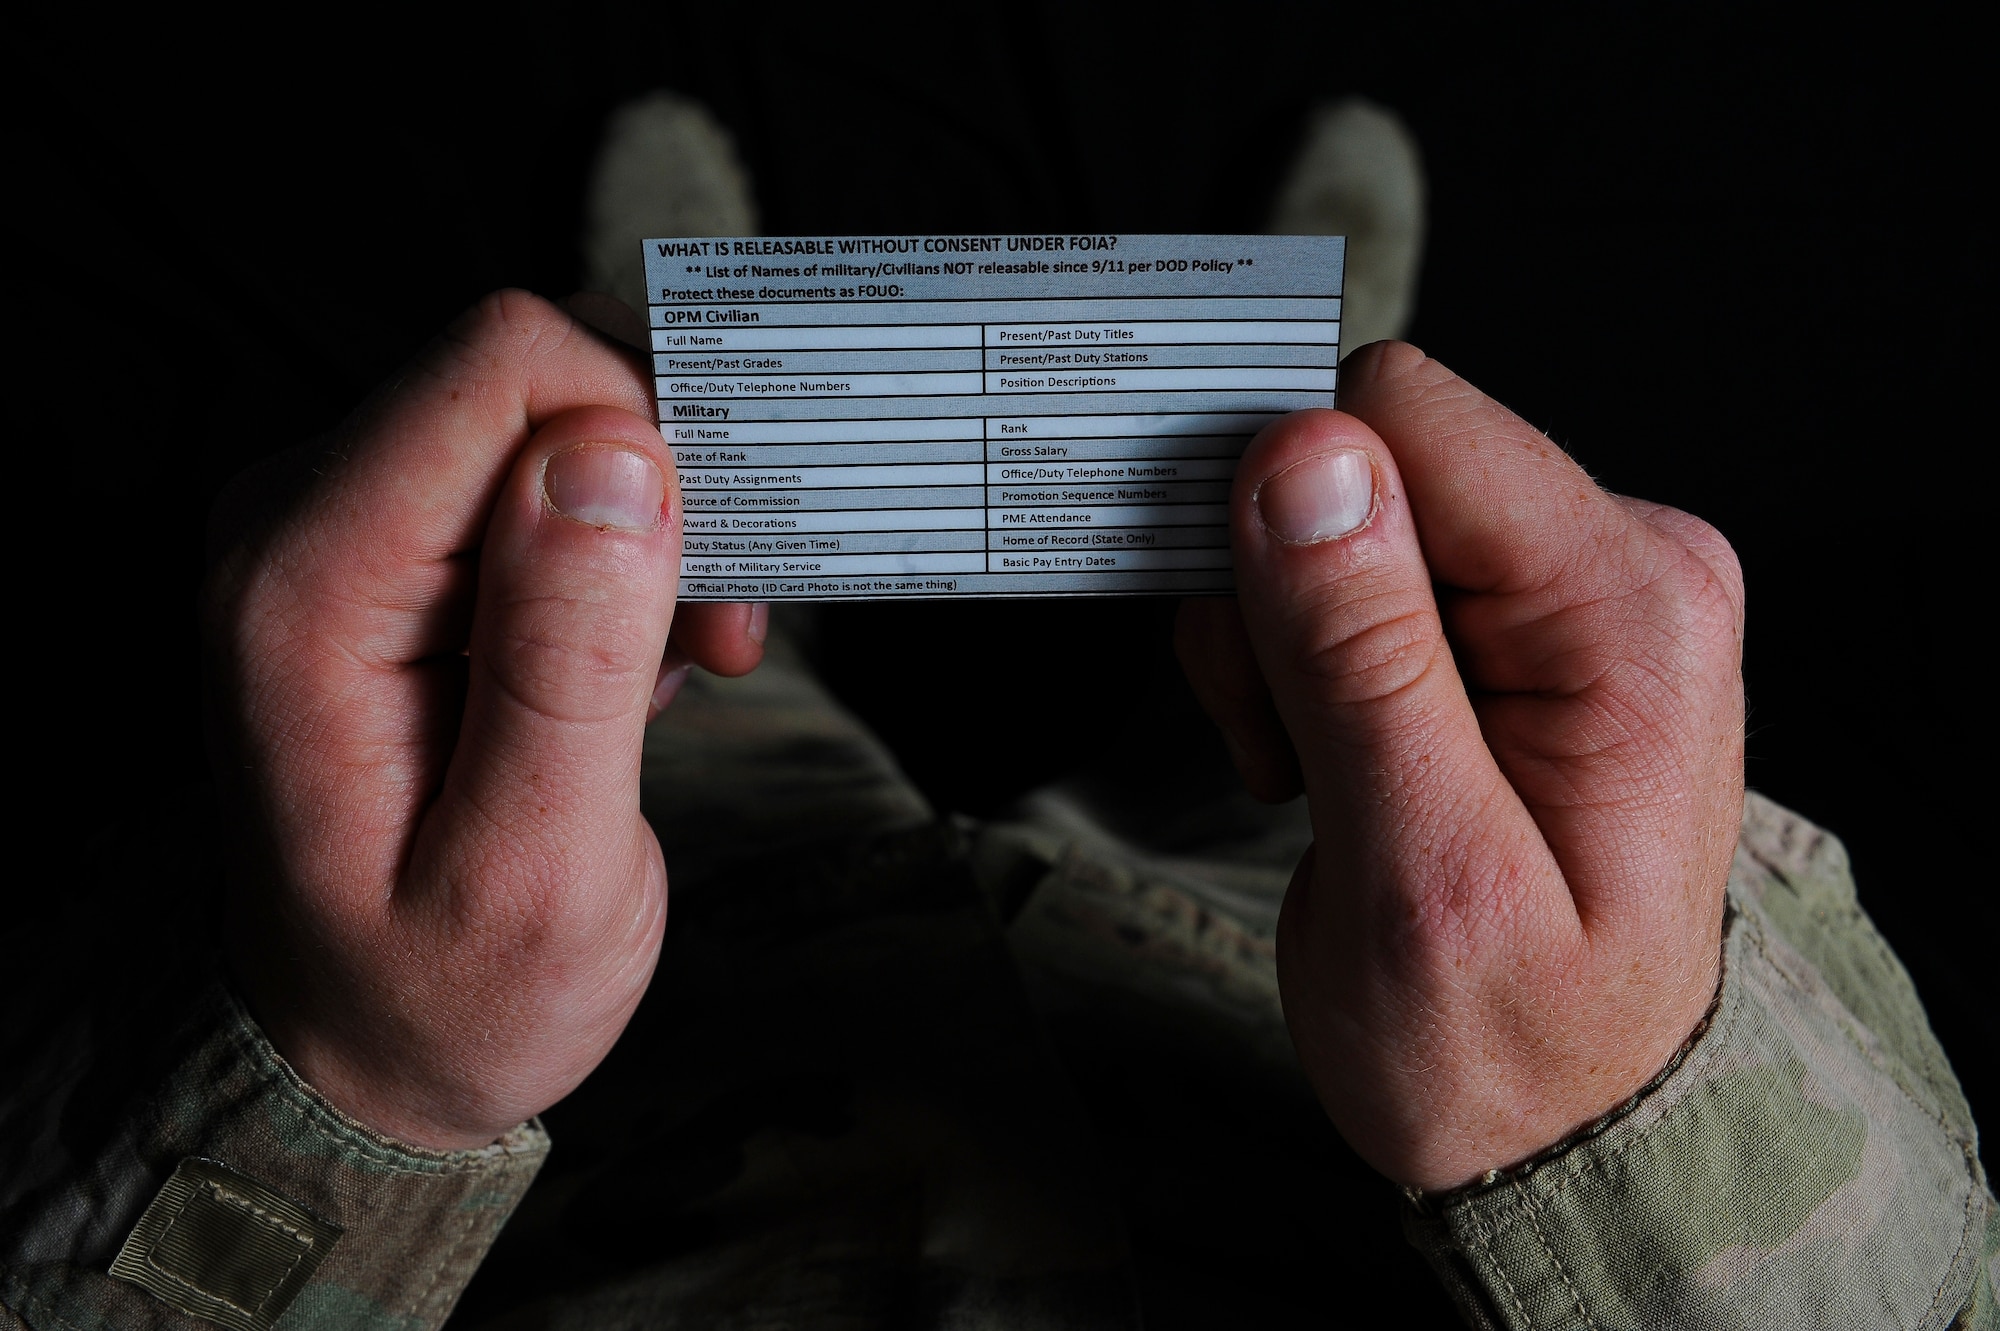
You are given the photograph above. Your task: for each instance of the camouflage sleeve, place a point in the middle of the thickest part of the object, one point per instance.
(1808, 1159)
(227, 1193)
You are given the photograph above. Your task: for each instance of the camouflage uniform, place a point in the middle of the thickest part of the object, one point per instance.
(897, 1069)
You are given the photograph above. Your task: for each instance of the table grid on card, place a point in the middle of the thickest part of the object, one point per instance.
(882, 417)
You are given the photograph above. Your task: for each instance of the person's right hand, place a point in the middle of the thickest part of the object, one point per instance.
(1514, 704)
(433, 644)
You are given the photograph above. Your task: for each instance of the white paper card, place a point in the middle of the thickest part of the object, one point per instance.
(887, 416)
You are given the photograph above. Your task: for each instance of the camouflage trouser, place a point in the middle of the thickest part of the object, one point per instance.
(903, 1069)
(898, 1069)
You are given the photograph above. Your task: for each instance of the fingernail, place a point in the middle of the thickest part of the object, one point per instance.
(669, 684)
(605, 486)
(760, 622)
(1325, 497)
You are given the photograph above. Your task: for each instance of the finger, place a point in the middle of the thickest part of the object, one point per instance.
(675, 667)
(1508, 516)
(1601, 637)
(403, 490)
(1491, 489)
(609, 316)
(723, 638)
(1699, 539)
(1409, 810)
(576, 594)
(1215, 651)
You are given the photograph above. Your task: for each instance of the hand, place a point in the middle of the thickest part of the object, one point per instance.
(433, 644)
(1515, 706)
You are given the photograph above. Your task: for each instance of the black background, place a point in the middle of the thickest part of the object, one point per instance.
(1740, 267)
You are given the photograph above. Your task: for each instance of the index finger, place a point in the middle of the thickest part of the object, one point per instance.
(1548, 582)
(1490, 488)
(440, 439)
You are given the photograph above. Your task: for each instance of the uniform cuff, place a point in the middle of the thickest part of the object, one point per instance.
(1791, 1168)
(233, 1195)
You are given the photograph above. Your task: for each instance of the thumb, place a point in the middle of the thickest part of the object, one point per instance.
(577, 577)
(1407, 802)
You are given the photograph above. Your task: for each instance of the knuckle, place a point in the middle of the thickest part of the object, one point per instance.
(1655, 654)
(1661, 596)
(501, 329)
(1454, 410)
(246, 608)
(1700, 605)
(1708, 564)
(503, 317)
(1725, 569)
(1395, 381)
(1393, 366)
